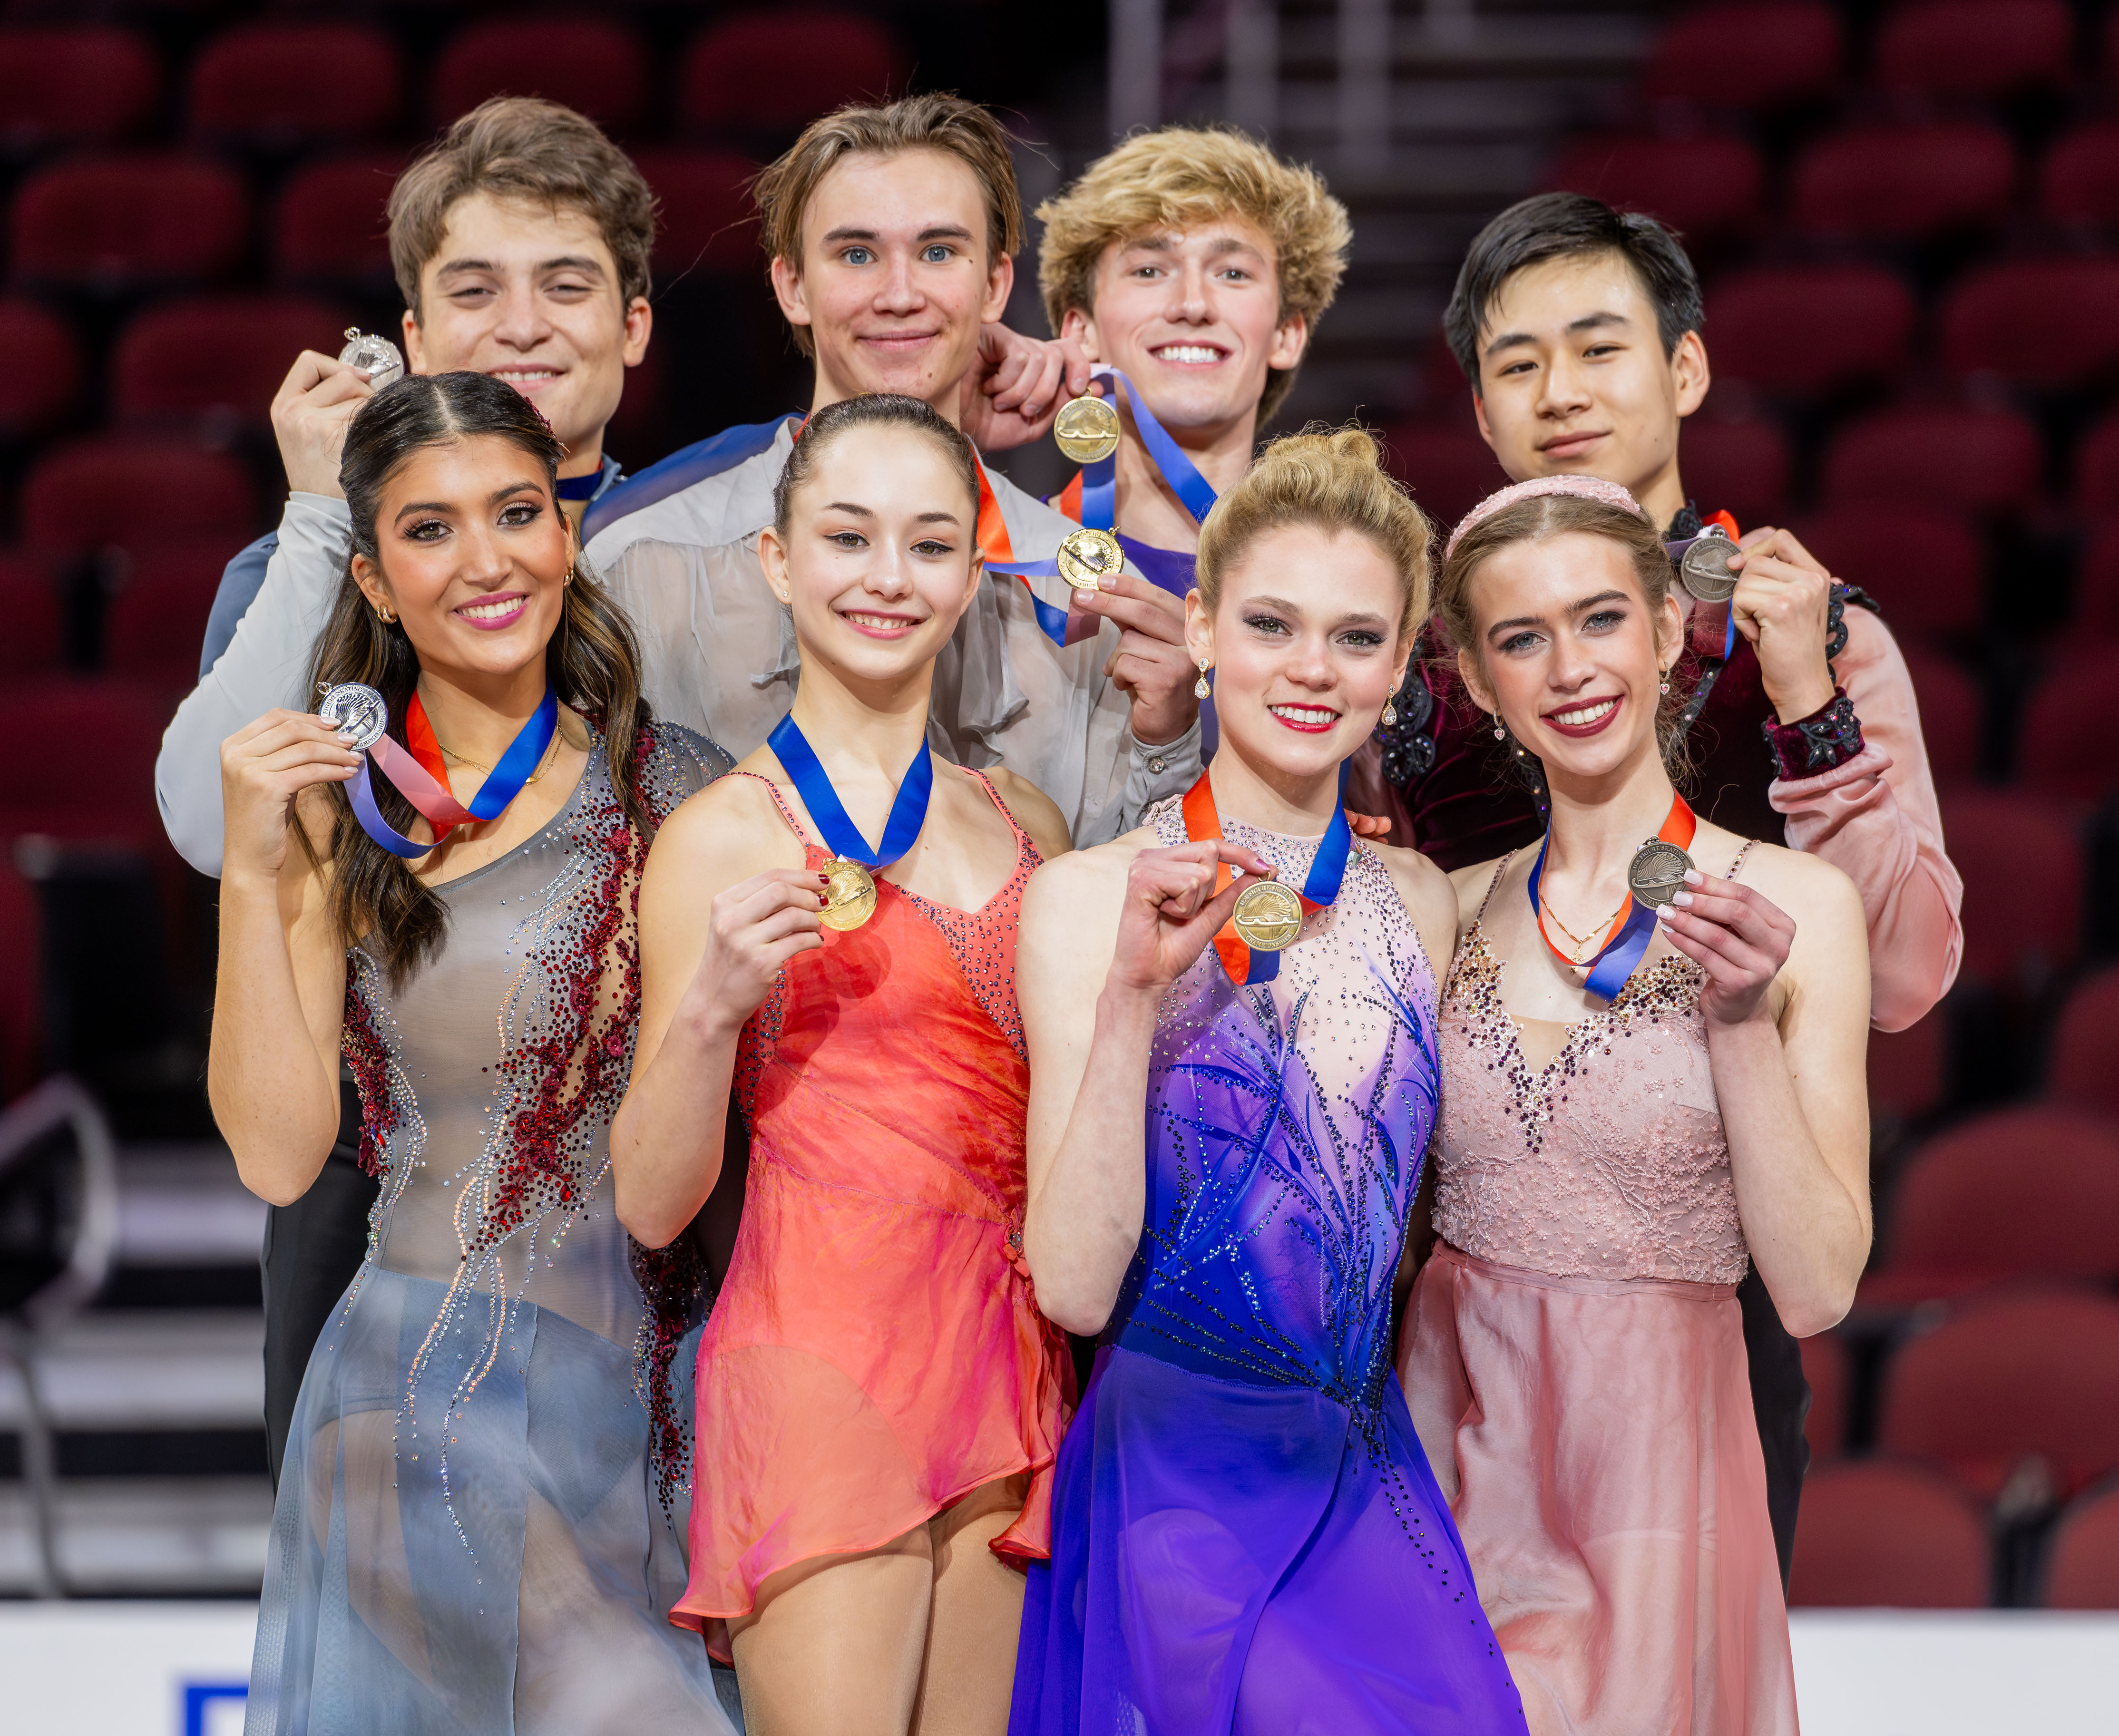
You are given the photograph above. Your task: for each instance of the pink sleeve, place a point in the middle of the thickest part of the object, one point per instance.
(1875, 819)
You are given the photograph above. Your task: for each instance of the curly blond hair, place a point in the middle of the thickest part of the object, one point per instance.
(1177, 178)
(1334, 479)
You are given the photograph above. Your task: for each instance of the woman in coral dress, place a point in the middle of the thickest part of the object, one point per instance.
(879, 1401)
(1225, 1145)
(1638, 1098)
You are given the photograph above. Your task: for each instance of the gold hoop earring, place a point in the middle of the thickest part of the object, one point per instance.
(1202, 688)
(383, 614)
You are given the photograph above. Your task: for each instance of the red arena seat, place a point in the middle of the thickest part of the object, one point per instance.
(74, 84)
(1924, 563)
(704, 220)
(2082, 1569)
(157, 622)
(30, 606)
(2097, 468)
(2007, 1378)
(1945, 1236)
(1704, 187)
(2095, 619)
(773, 71)
(1951, 712)
(1903, 183)
(2002, 320)
(2079, 182)
(592, 64)
(1974, 47)
(42, 374)
(1809, 330)
(134, 494)
(2065, 750)
(1741, 466)
(21, 984)
(1908, 1070)
(1875, 1533)
(331, 227)
(1824, 1368)
(1984, 460)
(280, 85)
(2021, 861)
(115, 726)
(1789, 50)
(113, 222)
(1447, 466)
(219, 355)
(2086, 1046)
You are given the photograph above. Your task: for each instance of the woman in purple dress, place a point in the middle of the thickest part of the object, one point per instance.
(1224, 1141)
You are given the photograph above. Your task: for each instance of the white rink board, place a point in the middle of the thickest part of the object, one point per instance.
(164, 1668)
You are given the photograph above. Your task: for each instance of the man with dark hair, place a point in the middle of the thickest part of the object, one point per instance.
(1579, 329)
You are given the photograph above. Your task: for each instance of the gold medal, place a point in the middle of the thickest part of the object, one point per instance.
(1268, 916)
(849, 894)
(1087, 557)
(1087, 429)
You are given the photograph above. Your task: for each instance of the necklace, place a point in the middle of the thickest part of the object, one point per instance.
(551, 748)
(1582, 943)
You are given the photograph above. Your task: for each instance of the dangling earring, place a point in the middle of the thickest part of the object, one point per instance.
(1390, 712)
(1200, 688)
(1499, 734)
(1663, 675)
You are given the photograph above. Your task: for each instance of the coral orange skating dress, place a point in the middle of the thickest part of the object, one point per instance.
(875, 1354)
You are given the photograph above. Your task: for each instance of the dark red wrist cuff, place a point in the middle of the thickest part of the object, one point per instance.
(1814, 745)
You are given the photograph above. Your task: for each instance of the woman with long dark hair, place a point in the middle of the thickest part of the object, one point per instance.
(479, 1526)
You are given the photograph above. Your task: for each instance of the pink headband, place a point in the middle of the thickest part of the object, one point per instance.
(1587, 488)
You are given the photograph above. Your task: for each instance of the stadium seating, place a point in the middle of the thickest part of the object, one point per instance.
(1825, 1367)
(2086, 1046)
(115, 726)
(1705, 186)
(1923, 563)
(2078, 181)
(74, 84)
(2002, 320)
(1790, 50)
(1808, 331)
(1874, 1532)
(593, 64)
(1905, 182)
(2082, 1569)
(1949, 1234)
(221, 356)
(2005, 1379)
(1908, 1074)
(1449, 469)
(30, 606)
(157, 620)
(1974, 47)
(279, 86)
(135, 494)
(330, 228)
(2021, 861)
(706, 220)
(2065, 751)
(1950, 709)
(1987, 459)
(115, 223)
(42, 375)
(763, 73)
(1740, 467)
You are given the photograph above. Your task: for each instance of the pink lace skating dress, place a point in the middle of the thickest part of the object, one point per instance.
(1574, 1359)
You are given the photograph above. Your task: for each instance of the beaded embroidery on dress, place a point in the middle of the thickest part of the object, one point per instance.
(479, 1520)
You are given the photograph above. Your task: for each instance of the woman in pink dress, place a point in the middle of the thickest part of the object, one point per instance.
(1652, 1072)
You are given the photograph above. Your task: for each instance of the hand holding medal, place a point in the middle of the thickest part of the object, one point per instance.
(1267, 916)
(1176, 901)
(264, 766)
(1736, 935)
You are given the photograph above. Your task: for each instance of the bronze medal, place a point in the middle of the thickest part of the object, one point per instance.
(849, 894)
(1087, 429)
(1268, 916)
(1657, 874)
(1704, 568)
(1087, 557)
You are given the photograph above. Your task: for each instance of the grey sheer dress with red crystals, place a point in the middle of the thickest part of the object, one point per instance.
(480, 1522)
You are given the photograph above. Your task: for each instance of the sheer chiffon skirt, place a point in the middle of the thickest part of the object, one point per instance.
(1596, 1440)
(1253, 1560)
(501, 1567)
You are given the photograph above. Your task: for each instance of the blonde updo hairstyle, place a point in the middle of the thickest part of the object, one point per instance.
(1540, 519)
(1334, 479)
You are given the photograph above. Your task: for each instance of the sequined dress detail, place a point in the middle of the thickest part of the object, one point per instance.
(875, 1352)
(479, 1523)
(1247, 1538)
(1574, 1358)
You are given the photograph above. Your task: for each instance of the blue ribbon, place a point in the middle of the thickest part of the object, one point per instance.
(365, 810)
(908, 812)
(1328, 870)
(501, 786)
(1677, 552)
(1621, 954)
(1100, 480)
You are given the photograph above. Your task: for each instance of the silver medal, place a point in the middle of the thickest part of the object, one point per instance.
(384, 363)
(358, 712)
(1704, 568)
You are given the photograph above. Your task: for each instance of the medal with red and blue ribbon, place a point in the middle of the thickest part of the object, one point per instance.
(417, 770)
(1634, 926)
(1251, 941)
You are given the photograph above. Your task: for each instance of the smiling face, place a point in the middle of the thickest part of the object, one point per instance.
(1574, 380)
(1568, 651)
(530, 295)
(1306, 647)
(1194, 320)
(895, 279)
(474, 555)
(879, 557)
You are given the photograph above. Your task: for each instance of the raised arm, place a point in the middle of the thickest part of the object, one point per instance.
(280, 988)
(1791, 1089)
(1102, 936)
(713, 939)
(267, 660)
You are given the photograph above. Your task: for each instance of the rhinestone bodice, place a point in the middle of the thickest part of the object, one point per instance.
(1286, 1125)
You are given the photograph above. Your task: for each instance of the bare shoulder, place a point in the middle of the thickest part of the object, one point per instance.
(1807, 888)
(731, 821)
(1083, 873)
(1424, 889)
(1471, 886)
(1034, 812)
